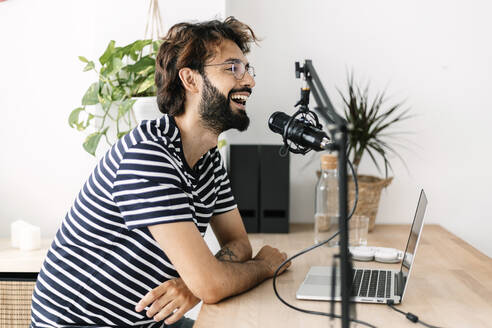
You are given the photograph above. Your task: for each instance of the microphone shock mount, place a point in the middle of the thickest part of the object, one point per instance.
(304, 115)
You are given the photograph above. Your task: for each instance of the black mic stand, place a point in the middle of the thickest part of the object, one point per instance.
(338, 130)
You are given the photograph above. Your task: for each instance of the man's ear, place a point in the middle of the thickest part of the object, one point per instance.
(189, 79)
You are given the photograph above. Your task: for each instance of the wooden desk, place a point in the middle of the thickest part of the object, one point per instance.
(450, 285)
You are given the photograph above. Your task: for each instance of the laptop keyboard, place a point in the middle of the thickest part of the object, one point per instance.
(371, 283)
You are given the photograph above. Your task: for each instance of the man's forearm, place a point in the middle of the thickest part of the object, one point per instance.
(235, 251)
(238, 277)
(232, 278)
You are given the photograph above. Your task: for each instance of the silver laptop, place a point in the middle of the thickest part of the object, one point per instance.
(369, 285)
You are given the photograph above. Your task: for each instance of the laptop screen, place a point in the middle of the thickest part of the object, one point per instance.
(413, 240)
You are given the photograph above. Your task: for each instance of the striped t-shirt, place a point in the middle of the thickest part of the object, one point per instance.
(103, 259)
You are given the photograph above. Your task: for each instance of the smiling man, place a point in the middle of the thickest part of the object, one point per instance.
(130, 251)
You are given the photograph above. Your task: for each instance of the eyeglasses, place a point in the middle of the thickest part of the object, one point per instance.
(238, 68)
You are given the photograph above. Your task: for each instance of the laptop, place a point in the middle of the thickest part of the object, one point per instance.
(369, 285)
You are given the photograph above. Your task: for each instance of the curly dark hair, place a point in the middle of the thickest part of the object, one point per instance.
(191, 45)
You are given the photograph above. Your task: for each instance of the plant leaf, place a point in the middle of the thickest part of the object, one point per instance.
(383, 154)
(118, 94)
(368, 150)
(73, 118)
(156, 45)
(370, 120)
(89, 119)
(125, 106)
(108, 53)
(116, 65)
(89, 66)
(401, 117)
(221, 143)
(149, 82)
(144, 64)
(140, 44)
(393, 151)
(92, 141)
(91, 95)
(105, 102)
(83, 59)
(133, 49)
(105, 90)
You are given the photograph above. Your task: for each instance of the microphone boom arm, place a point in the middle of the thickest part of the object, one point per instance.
(325, 107)
(339, 132)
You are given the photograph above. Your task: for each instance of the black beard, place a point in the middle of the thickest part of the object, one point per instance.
(216, 112)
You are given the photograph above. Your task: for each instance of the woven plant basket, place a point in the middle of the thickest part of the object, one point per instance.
(370, 188)
(15, 303)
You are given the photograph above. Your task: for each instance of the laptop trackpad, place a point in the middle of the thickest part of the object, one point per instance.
(317, 285)
(318, 280)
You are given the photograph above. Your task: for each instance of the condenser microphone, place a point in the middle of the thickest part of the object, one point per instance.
(300, 133)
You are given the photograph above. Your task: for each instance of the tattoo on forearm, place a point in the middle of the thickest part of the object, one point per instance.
(225, 254)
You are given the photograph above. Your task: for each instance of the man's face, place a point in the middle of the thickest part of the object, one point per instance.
(224, 94)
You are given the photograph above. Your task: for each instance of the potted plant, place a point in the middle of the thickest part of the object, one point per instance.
(369, 134)
(126, 74)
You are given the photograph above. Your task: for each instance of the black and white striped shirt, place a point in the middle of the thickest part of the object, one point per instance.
(103, 259)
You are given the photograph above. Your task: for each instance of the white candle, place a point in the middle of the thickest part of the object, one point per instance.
(30, 238)
(15, 230)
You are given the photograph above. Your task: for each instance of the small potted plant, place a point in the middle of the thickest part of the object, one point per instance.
(126, 74)
(370, 134)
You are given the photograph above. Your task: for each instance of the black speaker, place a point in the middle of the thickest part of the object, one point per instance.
(244, 175)
(274, 189)
(260, 184)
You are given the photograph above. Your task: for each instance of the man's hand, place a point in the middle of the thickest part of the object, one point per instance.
(172, 295)
(272, 257)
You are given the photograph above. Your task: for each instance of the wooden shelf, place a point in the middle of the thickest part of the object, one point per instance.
(15, 260)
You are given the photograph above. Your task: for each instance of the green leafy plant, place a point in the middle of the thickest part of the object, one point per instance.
(370, 123)
(125, 72)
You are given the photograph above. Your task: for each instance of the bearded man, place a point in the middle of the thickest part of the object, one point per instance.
(130, 251)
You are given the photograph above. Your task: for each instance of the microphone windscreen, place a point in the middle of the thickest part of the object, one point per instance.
(278, 121)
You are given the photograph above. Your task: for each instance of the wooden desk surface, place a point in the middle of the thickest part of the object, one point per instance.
(450, 285)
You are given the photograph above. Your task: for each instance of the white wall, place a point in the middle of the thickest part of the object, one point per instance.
(434, 54)
(42, 162)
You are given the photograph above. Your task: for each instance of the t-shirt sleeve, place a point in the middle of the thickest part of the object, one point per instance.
(225, 200)
(148, 188)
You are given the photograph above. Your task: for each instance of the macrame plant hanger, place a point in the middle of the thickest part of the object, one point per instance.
(154, 21)
(153, 31)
